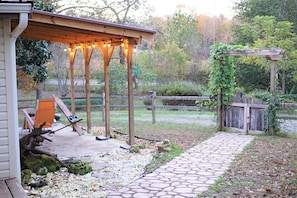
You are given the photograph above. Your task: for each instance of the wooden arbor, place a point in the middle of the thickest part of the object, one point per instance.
(273, 54)
(86, 34)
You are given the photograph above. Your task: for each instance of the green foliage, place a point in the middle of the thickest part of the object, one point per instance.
(136, 148)
(171, 62)
(266, 32)
(79, 167)
(117, 79)
(179, 89)
(271, 123)
(82, 102)
(222, 75)
(143, 62)
(251, 77)
(260, 94)
(37, 162)
(32, 55)
(272, 126)
(26, 176)
(43, 5)
(182, 30)
(177, 47)
(284, 10)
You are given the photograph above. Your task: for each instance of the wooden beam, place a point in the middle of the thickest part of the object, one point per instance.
(272, 76)
(260, 52)
(72, 54)
(128, 51)
(106, 52)
(87, 53)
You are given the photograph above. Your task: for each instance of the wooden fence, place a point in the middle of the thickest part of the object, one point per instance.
(120, 102)
(248, 114)
(243, 114)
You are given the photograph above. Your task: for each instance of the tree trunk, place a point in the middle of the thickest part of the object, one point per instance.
(38, 91)
(122, 57)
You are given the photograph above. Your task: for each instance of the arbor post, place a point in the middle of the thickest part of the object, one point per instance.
(220, 112)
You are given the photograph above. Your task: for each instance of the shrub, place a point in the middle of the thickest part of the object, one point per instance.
(179, 89)
(79, 167)
(81, 103)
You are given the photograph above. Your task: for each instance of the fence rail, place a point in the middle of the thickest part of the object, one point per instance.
(244, 116)
(152, 103)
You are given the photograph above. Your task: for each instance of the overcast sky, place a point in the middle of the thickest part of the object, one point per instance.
(205, 7)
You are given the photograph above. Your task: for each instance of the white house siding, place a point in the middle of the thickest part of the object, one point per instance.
(9, 138)
(4, 143)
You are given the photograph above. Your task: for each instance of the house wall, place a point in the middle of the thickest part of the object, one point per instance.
(4, 143)
(9, 135)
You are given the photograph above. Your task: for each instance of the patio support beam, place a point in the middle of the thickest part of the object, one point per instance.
(128, 50)
(106, 52)
(87, 54)
(72, 55)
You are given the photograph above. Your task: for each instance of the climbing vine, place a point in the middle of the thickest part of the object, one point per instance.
(222, 82)
(222, 75)
(272, 125)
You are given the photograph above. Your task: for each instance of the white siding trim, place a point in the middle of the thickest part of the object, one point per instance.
(12, 113)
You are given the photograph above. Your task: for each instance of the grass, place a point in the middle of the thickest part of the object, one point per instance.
(266, 168)
(162, 158)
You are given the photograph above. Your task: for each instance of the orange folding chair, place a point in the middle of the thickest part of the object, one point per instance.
(44, 113)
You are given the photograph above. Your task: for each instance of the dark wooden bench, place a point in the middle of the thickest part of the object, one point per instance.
(11, 188)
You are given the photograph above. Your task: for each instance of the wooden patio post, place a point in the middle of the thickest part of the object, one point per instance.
(106, 52)
(87, 53)
(72, 54)
(131, 140)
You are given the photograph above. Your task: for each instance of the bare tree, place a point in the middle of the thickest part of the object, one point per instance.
(118, 11)
(60, 63)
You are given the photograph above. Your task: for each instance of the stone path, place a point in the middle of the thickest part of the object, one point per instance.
(191, 173)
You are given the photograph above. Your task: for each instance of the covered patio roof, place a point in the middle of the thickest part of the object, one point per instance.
(72, 30)
(87, 34)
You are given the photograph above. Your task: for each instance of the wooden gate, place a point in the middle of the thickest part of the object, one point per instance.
(245, 114)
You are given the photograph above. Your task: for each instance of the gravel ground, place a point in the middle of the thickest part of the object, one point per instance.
(111, 171)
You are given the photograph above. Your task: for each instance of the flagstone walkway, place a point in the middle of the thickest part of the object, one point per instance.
(192, 172)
